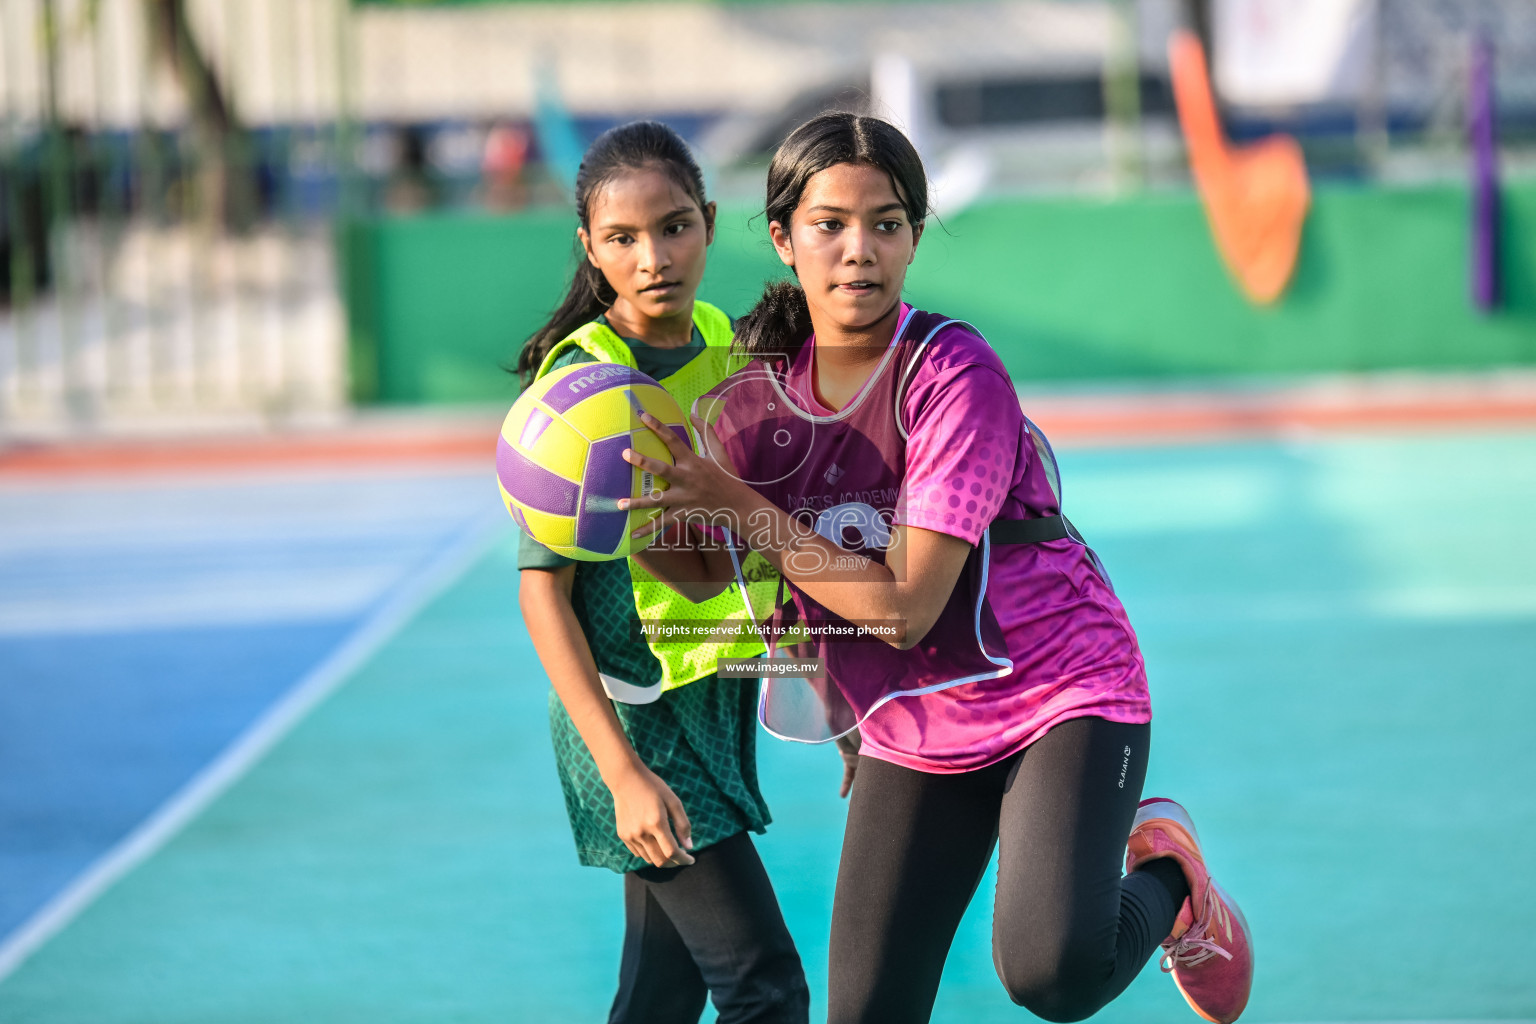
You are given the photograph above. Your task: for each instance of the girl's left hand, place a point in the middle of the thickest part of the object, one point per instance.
(694, 483)
(848, 746)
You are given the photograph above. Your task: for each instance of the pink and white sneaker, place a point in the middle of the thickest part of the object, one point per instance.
(1210, 952)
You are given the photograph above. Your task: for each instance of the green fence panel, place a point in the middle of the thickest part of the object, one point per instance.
(1065, 289)
(1071, 289)
(438, 304)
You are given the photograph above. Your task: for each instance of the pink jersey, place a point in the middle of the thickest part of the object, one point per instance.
(969, 459)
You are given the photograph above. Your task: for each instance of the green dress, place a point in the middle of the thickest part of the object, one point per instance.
(701, 739)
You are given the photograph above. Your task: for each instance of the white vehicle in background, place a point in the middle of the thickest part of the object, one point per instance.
(1008, 97)
(1006, 130)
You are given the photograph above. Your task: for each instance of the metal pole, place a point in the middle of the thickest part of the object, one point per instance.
(317, 248)
(1122, 97)
(346, 197)
(23, 261)
(154, 213)
(289, 288)
(1371, 131)
(205, 215)
(110, 217)
(241, 164)
(59, 189)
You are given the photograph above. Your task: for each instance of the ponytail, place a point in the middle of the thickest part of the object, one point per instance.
(629, 146)
(588, 297)
(777, 326)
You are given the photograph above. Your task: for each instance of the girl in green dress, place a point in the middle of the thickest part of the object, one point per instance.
(656, 754)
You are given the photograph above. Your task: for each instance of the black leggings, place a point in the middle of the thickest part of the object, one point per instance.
(712, 928)
(1068, 932)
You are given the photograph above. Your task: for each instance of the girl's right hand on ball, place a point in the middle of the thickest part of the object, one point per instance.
(651, 820)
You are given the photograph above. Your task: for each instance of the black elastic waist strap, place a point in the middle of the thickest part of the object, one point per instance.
(1032, 531)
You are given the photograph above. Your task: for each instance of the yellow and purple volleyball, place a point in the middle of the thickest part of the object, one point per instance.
(560, 459)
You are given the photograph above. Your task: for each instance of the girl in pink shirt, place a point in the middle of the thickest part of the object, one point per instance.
(877, 456)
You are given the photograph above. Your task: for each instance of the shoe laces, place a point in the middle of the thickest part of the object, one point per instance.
(1195, 946)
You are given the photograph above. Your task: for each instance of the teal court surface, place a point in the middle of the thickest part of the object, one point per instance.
(274, 748)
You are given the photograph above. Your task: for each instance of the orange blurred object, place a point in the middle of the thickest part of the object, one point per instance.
(1255, 196)
(501, 167)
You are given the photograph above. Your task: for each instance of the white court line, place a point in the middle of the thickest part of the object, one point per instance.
(243, 754)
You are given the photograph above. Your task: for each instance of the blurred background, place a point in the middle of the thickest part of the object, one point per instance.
(271, 732)
(277, 208)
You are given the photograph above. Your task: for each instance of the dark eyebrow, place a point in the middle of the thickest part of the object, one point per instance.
(887, 208)
(681, 211)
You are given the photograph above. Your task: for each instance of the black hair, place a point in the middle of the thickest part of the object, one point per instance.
(781, 321)
(632, 146)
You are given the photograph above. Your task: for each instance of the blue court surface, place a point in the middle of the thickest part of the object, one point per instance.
(275, 748)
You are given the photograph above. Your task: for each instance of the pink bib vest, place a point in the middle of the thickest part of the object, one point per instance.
(841, 474)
